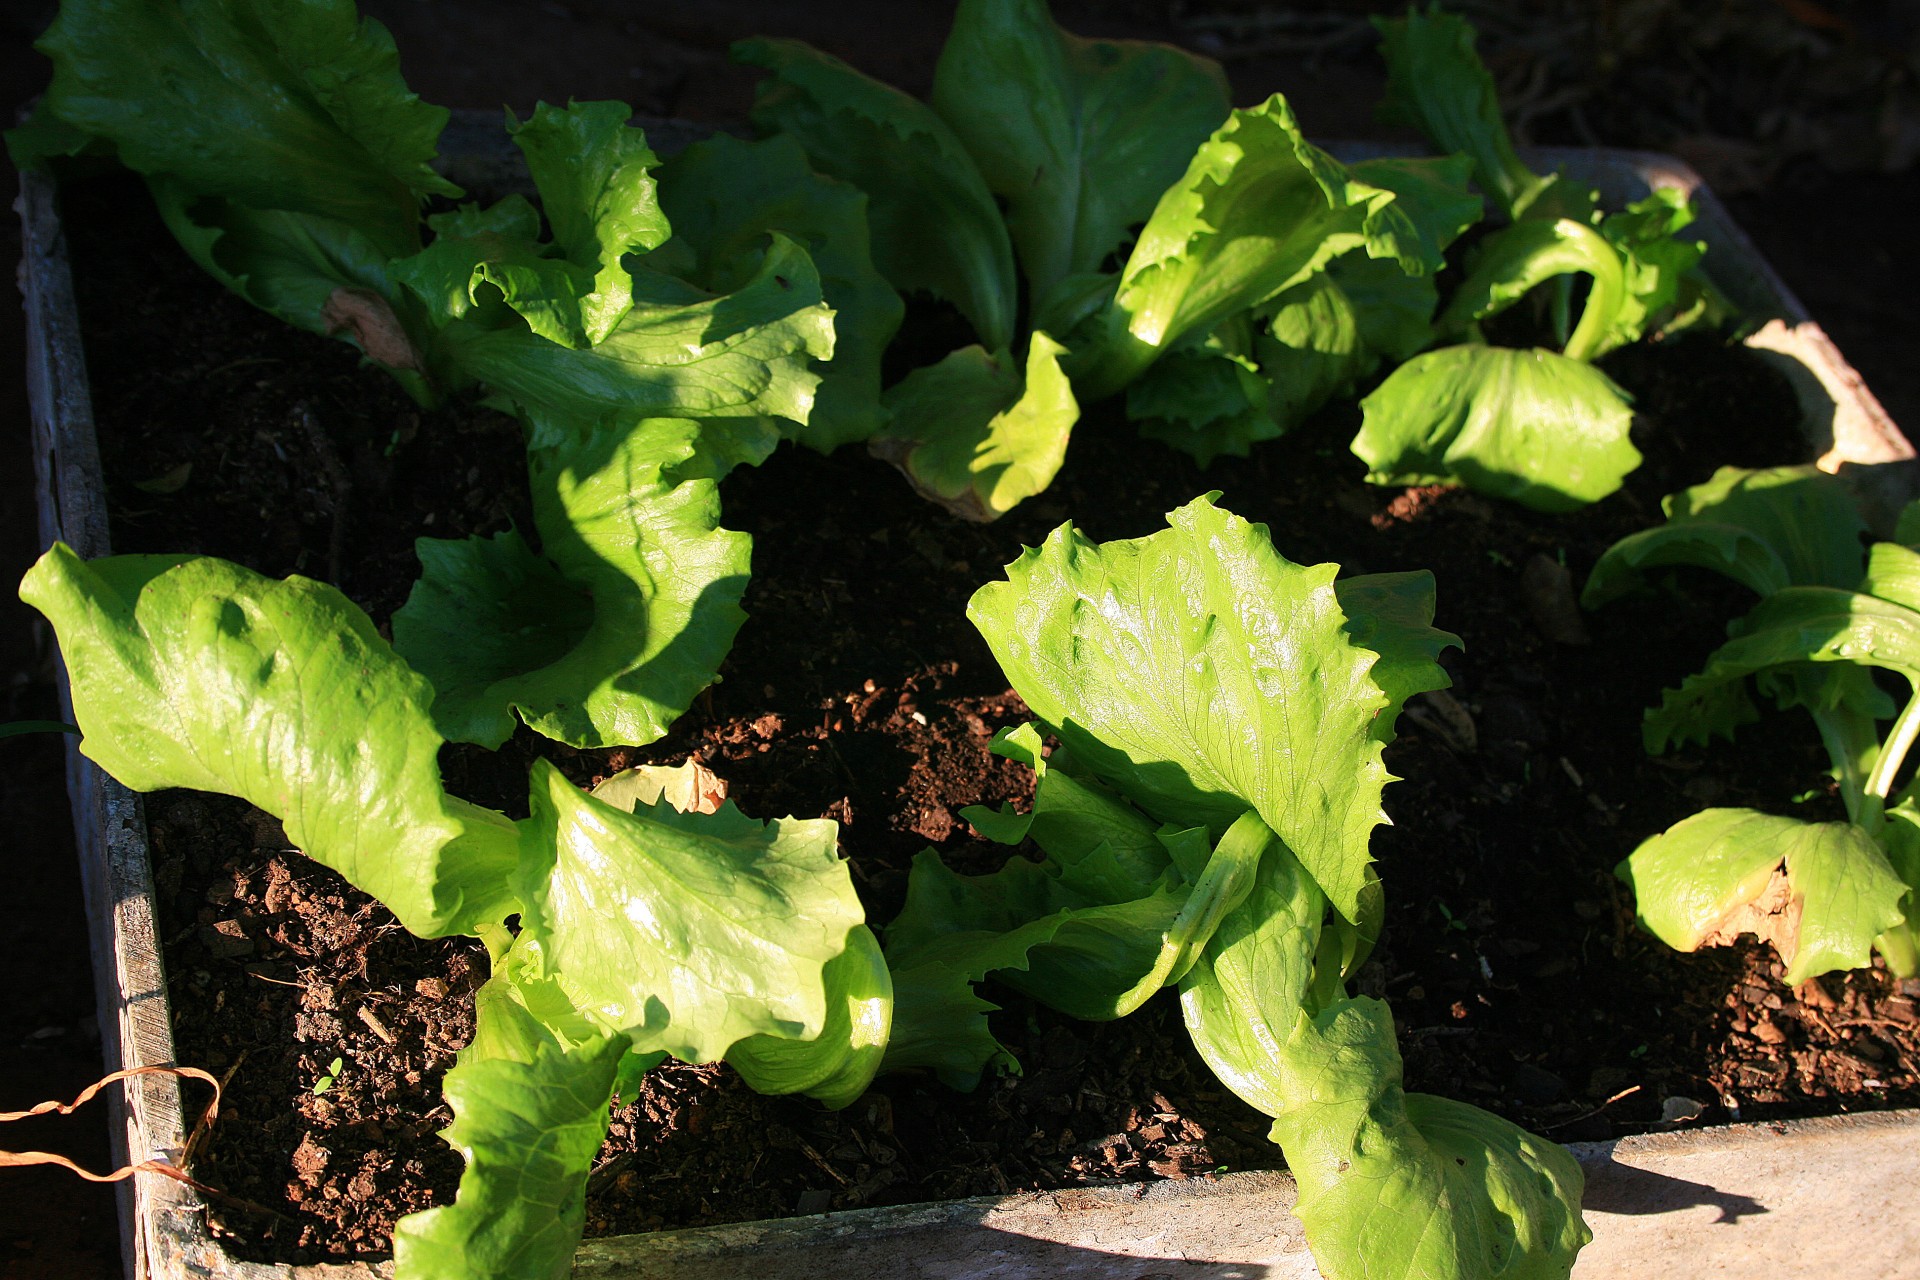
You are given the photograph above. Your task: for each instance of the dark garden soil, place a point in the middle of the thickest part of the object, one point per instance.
(857, 690)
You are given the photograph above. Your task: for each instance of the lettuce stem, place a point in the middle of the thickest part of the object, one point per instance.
(1896, 947)
(1604, 299)
(1892, 755)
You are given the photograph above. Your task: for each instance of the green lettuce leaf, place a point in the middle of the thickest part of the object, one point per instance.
(1078, 136)
(1201, 674)
(677, 353)
(835, 1066)
(724, 195)
(1821, 892)
(1796, 625)
(1538, 428)
(314, 273)
(1437, 84)
(1767, 529)
(688, 932)
(530, 1114)
(1210, 397)
(1406, 1186)
(272, 104)
(593, 174)
(972, 435)
(608, 637)
(1659, 265)
(1258, 210)
(198, 673)
(935, 225)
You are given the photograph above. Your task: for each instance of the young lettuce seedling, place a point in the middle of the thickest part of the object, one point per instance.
(643, 931)
(1222, 714)
(1825, 894)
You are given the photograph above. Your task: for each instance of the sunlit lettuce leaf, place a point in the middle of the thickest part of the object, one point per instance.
(678, 353)
(198, 673)
(1097, 843)
(314, 273)
(1392, 614)
(1201, 674)
(1532, 426)
(1078, 136)
(294, 105)
(1821, 892)
(606, 637)
(1399, 1186)
(530, 1114)
(975, 436)
(1796, 625)
(1656, 261)
(724, 195)
(935, 225)
(1433, 196)
(592, 170)
(836, 1066)
(688, 932)
(1437, 84)
(1766, 529)
(1258, 210)
(1243, 998)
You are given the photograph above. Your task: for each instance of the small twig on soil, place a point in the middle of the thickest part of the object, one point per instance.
(373, 1022)
(342, 488)
(1588, 1115)
(807, 1150)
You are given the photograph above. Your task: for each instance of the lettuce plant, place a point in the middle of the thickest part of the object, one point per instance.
(1204, 822)
(1541, 427)
(1825, 894)
(642, 931)
(1090, 145)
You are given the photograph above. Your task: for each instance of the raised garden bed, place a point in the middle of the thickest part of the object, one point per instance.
(859, 691)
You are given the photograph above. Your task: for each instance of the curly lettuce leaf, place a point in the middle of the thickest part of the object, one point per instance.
(677, 353)
(1821, 892)
(1078, 136)
(530, 1114)
(1766, 529)
(292, 105)
(198, 673)
(1259, 210)
(593, 172)
(1207, 398)
(1535, 427)
(688, 932)
(1201, 674)
(606, 638)
(724, 195)
(935, 225)
(974, 436)
(1404, 1186)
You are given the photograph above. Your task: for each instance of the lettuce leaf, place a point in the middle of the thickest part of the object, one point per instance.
(292, 105)
(687, 932)
(1406, 1186)
(1437, 84)
(935, 225)
(677, 353)
(1078, 136)
(834, 1067)
(1765, 529)
(1819, 891)
(1201, 674)
(198, 673)
(724, 195)
(976, 438)
(1538, 428)
(530, 1114)
(1259, 210)
(608, 637)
